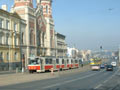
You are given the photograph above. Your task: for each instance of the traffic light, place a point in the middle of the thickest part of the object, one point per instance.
(101, 47)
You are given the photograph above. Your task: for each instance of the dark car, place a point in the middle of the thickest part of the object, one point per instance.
(109, 68)
(102, 66)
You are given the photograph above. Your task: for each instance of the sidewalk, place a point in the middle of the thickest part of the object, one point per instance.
(7, 72)
(10, 79)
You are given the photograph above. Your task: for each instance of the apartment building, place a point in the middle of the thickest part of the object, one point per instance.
(9, 40)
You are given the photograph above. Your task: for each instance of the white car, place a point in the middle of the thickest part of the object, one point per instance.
(95, 67)
(114, 64)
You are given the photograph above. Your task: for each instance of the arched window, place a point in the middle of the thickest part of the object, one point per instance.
(7, 56)
(32, 37)
(15, 56)
(1, 56)
(22, 38)
(15, 40)
(1, 37)
(7, 39)
(39, 37)
(43, 38)
(46, 9)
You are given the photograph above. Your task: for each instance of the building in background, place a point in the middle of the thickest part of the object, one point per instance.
(72, 52)
(85, 54)
(102, 54)
(61, 46)
(10, 28)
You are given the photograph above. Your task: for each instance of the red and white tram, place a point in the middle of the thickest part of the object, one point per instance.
(42, 64)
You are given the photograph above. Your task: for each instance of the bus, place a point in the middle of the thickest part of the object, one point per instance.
(95, 63)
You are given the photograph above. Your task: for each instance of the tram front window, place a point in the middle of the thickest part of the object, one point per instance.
(34, 61)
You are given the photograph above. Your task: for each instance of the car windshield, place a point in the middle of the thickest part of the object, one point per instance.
(109, 66)
(95, 65)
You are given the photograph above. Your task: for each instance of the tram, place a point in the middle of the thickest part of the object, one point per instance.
(42, 64)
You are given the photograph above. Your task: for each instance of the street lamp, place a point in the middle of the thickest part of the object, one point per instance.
(119, 54)
(9, 58)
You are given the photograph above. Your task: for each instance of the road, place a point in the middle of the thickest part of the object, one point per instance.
(78, 81)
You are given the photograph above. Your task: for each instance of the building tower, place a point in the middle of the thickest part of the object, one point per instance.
(47, 12)
(24, 8)
(19, 3)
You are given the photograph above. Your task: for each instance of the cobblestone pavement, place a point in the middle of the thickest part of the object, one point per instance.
(9, 79)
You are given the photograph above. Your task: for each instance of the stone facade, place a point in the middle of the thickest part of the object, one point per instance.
(47, 12)
(39, 30)
(24, 8)
(10, 24)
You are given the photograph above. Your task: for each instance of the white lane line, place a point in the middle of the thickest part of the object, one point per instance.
(69, 81)
(107, 80)
(98, 86)
(111, 76)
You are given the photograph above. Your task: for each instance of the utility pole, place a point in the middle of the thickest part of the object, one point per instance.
(119, 54)
(9, 58)
(101, 50)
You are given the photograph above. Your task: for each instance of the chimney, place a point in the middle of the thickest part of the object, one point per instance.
(4, 7)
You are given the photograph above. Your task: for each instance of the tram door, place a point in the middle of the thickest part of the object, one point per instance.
(65, 60)
(54, 63)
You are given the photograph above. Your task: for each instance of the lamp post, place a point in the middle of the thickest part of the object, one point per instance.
(9, 58)
(101, 50)
(119, 53)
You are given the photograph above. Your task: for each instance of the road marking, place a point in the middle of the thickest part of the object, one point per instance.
(69, 81)
(111, 76)
(98, 86)
(107, 79)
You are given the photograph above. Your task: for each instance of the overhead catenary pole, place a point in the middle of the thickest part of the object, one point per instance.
(119, 54)
(9, 58)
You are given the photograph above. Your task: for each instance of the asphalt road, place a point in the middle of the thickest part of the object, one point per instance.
(89, 80)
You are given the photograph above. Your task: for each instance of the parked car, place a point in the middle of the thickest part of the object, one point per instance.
(109, 68)
(114, 64)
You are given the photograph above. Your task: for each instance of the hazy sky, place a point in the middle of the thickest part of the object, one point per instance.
(87, 24)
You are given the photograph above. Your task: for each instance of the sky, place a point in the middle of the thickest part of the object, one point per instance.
(87, 24)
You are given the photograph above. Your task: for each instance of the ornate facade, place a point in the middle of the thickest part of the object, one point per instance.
(47, 13)
(24, 8)
(39, 30)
